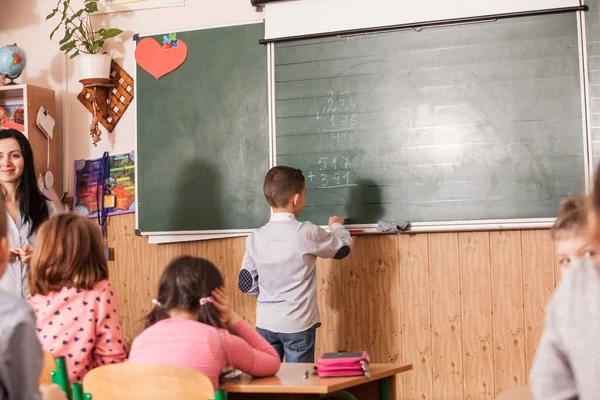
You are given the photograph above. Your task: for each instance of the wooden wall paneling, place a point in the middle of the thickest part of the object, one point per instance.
(134, 272)
(416, 316)
(360, 301)
(329, 288)
(357, 281)
(446, 316)
(381, 291)
(423, 299)
(477, 331)
(507, 306)
(538, 285)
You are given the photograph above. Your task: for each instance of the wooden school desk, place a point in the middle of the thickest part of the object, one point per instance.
(289, 383)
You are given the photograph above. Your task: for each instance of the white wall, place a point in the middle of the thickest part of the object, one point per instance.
(302, 17)
(23, 22)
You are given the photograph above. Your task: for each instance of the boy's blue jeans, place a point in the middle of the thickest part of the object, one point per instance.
(297, 347)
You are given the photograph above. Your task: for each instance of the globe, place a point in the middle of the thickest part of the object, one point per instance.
(12, 61)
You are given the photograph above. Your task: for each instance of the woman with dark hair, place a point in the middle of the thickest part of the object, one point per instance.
(25, 204)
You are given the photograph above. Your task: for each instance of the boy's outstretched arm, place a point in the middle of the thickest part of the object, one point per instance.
(335, 244)
(248, 276)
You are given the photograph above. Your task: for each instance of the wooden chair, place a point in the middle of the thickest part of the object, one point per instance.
(49, 365)
(519, 393)
(146, 382)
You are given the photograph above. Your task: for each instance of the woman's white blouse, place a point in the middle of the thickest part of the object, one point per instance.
(15, 277)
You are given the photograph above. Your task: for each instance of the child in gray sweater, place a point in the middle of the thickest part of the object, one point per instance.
(567, 361)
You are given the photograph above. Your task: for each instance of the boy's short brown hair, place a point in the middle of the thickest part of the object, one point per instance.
(281, 183)
(572, 216)
(68, 253)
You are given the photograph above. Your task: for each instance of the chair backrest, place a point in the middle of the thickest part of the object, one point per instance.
(147, 382)
(519, 393)
(49, 365)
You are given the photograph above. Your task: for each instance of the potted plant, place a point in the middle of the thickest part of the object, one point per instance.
(82, 41)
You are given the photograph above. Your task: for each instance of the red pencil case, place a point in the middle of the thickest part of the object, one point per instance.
(347, 363)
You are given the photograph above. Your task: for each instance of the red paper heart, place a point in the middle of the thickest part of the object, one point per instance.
(158, 60)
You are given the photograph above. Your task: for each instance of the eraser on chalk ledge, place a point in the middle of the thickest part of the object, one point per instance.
(387, 226)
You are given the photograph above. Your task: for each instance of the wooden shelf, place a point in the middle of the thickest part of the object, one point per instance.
(33, 97)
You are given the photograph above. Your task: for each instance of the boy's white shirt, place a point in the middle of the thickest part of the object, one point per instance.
(281, 258)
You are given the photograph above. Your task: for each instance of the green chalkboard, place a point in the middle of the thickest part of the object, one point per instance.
(457, 123)
(202, 135)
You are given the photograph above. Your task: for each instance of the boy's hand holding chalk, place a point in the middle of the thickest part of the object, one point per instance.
(335, 219)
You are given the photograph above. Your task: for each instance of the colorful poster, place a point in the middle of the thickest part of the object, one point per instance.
(12, 116)
(121, 184)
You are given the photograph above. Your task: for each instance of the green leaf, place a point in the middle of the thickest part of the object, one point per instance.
(91, 3)
(68, 46)
(54, 31)
(94, 47)
(64, 11)
(74, 54)
(75, 16)
(91, 7)
(52, 14)
(68, 36)
(110, 33)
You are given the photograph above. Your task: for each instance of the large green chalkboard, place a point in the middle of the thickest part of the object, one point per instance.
(468, 122)
(202, 135)
(457, 123)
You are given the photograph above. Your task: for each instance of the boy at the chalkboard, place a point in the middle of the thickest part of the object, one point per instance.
(280, 266)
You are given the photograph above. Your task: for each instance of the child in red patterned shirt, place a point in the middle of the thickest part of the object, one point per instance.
(77, 314)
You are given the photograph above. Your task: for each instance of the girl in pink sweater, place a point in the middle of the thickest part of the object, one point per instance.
(75, 305)
(192, 326)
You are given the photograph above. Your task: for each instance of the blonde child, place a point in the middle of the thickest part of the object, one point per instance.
(569, 232)
(566, 364)
(193, 326)
(75, 304)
